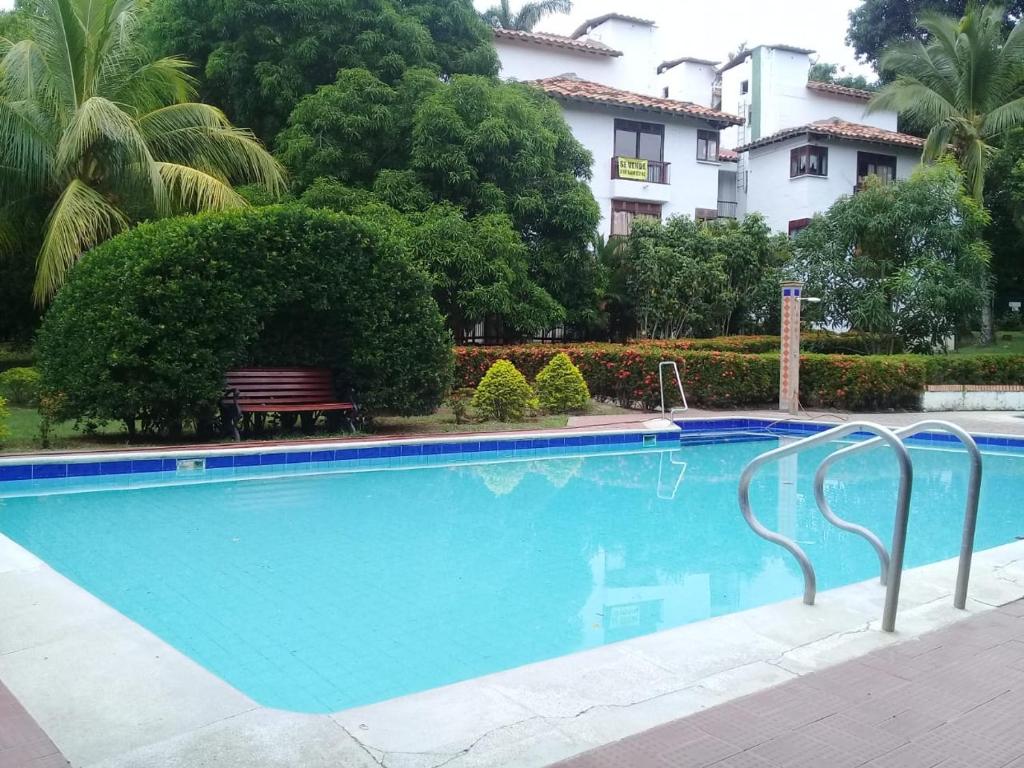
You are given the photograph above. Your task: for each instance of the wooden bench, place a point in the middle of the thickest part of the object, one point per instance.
(290, 392)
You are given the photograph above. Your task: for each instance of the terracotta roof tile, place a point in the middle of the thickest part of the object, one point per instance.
(840, 90)
(728, 155)
(583, 90)
(840, 129)
(558, 41)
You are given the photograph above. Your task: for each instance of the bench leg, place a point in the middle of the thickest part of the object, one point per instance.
(308, 421)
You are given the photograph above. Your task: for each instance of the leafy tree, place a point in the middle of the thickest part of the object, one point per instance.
(258, 59)
(903, 261)
(964, 84)
(529, 15)
(824, 72)
(1004, 199)
(101, 134)
(148, 324)
(876, 24)
(685, 278)
(480, 267)
(484, 146)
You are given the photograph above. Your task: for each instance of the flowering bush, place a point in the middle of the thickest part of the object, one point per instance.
(561, 387)
(20, 385)
(628, 375)
(504, 394)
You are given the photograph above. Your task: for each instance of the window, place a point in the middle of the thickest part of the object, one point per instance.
(870, 164)
(808, 161)
(797, 225)
(744, 87)
(642, 140)
(707, 145)
(664, 92)
(624, 211)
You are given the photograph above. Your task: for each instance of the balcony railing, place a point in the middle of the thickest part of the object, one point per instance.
(727, 209)
(657, 171)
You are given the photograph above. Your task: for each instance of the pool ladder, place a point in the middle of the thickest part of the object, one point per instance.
(674, 367)
(891, 562)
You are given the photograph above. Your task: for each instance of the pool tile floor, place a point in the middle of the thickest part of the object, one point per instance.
(953, 698)
(23, 744)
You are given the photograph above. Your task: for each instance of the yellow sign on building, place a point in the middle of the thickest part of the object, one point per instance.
(632, 168)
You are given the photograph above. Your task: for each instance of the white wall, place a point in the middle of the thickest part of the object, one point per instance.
(821, 106)
(784, 95)
(781, 199)
(529, 61)
(693, 184)
(736, 103)
(689, 81)
(637, 68)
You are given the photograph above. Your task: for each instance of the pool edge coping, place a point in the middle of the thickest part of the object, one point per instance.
(568, 695)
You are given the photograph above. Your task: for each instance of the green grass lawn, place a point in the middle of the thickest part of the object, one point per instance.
(1006, 343)
(23, 430)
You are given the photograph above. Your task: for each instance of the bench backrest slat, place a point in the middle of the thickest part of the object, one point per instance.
(284, 386)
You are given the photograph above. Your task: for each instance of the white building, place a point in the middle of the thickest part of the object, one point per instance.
(658, 130)
(653, 156)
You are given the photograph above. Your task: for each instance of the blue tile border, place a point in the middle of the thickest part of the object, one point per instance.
(693, 432)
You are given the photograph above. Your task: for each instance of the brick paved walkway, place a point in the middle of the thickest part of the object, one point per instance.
(23, 743)
(951, 699)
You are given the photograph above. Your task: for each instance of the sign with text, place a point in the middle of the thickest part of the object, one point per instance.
(632, 168)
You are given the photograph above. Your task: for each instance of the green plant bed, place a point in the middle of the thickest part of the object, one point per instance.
(23, 428)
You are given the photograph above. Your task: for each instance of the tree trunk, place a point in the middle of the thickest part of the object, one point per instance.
(987, 320)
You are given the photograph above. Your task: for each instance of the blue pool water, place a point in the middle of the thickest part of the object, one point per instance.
(326, 587)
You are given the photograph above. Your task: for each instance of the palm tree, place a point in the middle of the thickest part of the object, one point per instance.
(966, 84)
(530, 14)
(99, 134)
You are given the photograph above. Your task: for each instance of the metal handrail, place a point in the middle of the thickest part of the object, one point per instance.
(679, 380)
(963, 575)
(899, 539)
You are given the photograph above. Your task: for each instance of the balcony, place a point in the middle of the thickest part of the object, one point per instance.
(635, 169)
(727, 209)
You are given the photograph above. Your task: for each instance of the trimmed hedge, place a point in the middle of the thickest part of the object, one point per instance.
(628, 375)
(149, 321)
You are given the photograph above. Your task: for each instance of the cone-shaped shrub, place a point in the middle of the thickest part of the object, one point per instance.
(504, 393)
(561, 387)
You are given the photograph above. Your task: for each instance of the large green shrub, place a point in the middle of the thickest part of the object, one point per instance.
(4, 415)
(20, 386)
(150, 321)
(504, 394)
(560, 386)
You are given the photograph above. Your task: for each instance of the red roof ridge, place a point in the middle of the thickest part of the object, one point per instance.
(840, 90)
(574, 89)
(840, 129)
(558, 41)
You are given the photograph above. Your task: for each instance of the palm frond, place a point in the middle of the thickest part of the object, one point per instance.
(26, 148)
(915, 99)
(499, 16)
(1004, 118)
(81, 219)
(531, 13)
(58, 32)
(147, 85)
(201, 135)
(937, 143)
(125, 146)
(193, 190)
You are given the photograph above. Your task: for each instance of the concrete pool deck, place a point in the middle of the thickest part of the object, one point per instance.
(949, 699)
(110, 694)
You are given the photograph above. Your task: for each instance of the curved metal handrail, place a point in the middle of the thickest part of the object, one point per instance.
(963, 575)
(902, 508)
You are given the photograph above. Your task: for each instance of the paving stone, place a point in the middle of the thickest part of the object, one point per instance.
(951, 699)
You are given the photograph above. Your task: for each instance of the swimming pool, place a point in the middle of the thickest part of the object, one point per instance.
(314, 587)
